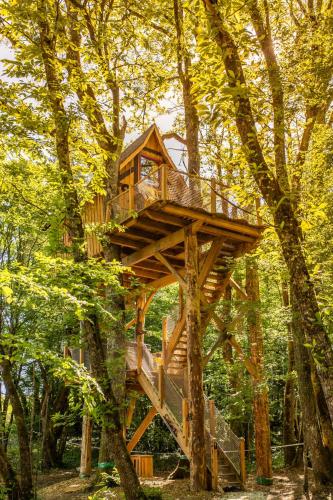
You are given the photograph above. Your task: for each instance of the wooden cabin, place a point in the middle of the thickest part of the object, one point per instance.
(177, 228)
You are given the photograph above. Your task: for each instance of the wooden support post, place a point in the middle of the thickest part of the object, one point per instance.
(66, 351)
(141, 429)
(212, 418)
(214, 464)
(164, 340)
(242, 460)
(185, 415)
(85, 465)
(131, 197)
(213, 196)
(198, 480)
(139, 330)
(161, 384)
(164, 181)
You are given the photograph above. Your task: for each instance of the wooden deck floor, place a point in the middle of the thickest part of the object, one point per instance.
(159, 229)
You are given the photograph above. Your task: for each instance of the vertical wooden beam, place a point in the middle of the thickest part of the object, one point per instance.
(164, 340)
(66, 351)
(139, 329)
(198, 478)
(185, 416)
(214, 464)
(212, 418)
(85, 465)
(164, 181)
(242, 460)
(161, 386)
(213, 196)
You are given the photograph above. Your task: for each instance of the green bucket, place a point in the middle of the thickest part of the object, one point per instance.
(105, 465)
(264, 481)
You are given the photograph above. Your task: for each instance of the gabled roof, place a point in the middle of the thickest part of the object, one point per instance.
(135, 147)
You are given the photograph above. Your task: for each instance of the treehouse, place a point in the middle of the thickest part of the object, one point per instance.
(177, 228)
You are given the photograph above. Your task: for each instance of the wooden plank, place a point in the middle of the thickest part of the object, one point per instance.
(141, 429)
(164, 339)
(146, 273)
(166, 219)
(212, 220)
(174, 271)
(239, 289)
(158, 246)
(126, 242)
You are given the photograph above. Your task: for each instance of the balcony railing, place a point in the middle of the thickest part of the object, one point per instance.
(190, 191)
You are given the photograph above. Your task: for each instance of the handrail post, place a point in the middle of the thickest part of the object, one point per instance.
(213, 196)
(164, 181)
(140, 324)
(214, 464)
(131, 201)
(164, 340)
(242, 460)
(161, 384)
(212, 418)
(185, 415)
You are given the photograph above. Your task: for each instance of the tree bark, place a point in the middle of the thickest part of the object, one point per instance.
(289, 400)
(260, 391)
(195, 364)
(8, 475)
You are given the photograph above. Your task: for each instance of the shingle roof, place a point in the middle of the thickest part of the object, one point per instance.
(136, 144)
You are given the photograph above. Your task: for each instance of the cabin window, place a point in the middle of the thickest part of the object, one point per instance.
(149, 170)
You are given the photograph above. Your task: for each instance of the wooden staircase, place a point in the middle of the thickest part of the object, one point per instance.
(223, 448)
(212, 289)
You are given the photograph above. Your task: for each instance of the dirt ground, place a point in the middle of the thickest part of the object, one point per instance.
(65, 485)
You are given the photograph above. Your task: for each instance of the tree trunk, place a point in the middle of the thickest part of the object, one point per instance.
(26, 482)
(9, 478)
(194, 362)
(260, 391)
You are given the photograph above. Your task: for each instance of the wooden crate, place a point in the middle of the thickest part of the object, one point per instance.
(143, 465)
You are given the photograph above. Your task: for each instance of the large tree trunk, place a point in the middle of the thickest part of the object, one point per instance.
(194, 362)
(260, 391)
(26, 481)
(289, 401)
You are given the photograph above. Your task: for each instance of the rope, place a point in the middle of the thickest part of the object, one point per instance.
(280, 446)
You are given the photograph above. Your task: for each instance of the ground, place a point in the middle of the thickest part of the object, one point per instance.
(65, 485)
